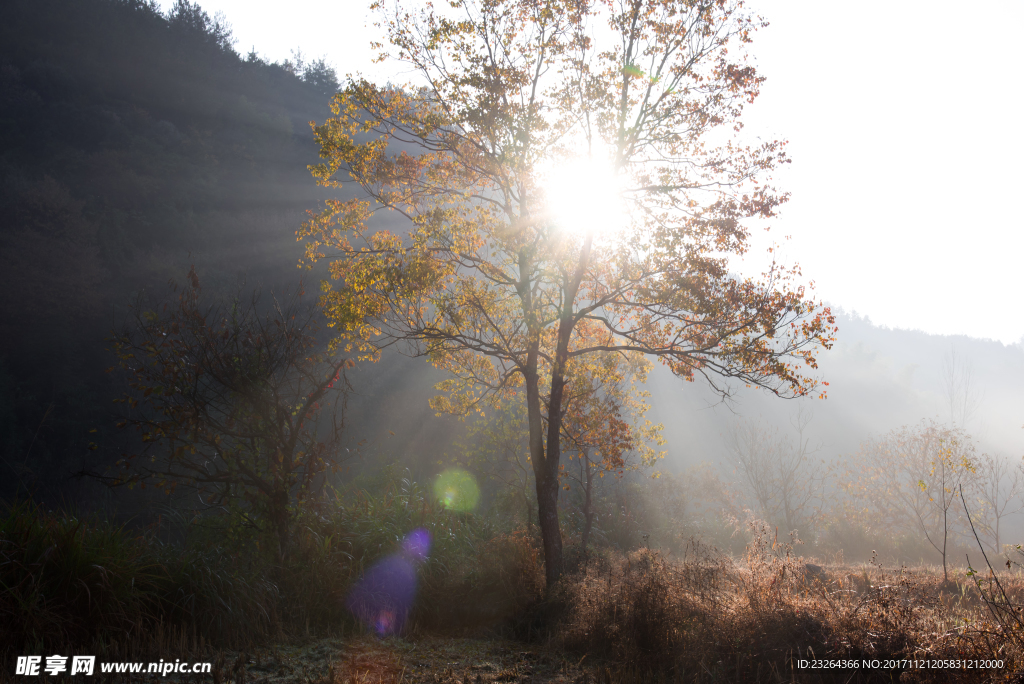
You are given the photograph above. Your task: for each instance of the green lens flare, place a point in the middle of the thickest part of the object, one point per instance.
(456, 489)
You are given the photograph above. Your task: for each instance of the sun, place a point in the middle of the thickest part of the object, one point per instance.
(584, 196)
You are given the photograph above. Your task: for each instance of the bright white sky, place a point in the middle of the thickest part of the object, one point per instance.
(904, 122)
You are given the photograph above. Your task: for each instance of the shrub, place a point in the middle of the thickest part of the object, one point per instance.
(472, 576)
(68, 581)
(636, 609)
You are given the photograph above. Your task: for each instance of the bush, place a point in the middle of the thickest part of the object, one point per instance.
(69, 582)
(471, 577)
(642, 610)
(72, 582)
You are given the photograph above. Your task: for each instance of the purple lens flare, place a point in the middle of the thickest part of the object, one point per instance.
(417, 545)
(382, 598)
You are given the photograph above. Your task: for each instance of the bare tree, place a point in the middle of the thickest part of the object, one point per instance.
(910, 480)
(781, 473)
(240, 402)
(963, 396)
(1000, 483)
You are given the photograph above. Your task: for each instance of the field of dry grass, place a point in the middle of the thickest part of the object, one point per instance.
(702, 618)
(482, 617)
(772, 617)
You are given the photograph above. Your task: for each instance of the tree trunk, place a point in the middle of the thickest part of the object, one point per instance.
(945, 537)
(550, 530)
(545, 457)
(546, 479)
(282, 528)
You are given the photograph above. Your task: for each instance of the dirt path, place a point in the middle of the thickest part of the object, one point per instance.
(367, 660)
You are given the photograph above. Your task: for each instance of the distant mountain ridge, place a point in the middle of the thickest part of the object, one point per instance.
(879, 379)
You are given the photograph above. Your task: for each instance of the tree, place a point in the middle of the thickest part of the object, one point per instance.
(321, 76)
(1000, 483)
(189, 18)
(507, 250)
(782, 475)
(961, 392)
(911, 479)
(228, 400)
(496, 448)
(604, 423)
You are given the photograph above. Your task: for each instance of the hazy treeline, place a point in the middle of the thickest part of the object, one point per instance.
(908, 415)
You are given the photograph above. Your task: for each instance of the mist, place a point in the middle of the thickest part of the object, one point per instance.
(143, 145)
(137, 145)
(879, 379)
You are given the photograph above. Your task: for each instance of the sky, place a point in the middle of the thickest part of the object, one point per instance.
(903, 122)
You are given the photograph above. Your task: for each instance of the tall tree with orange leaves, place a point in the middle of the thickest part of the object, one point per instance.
(558, 162)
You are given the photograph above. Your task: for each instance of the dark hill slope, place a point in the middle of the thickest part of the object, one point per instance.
(128, 140)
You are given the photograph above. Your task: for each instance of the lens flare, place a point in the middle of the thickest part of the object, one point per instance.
(456, 489)
(383, 597)
(417, 545)
(385, 622)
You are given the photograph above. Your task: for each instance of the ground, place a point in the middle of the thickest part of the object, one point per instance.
(366, 659)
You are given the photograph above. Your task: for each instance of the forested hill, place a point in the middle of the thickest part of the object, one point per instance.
(128, 140)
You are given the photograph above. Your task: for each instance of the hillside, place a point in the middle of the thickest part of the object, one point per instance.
(131, 144)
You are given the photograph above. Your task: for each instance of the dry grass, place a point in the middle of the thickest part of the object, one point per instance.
(75, 585)
(706, 618)
(703, 616)
(70, 581)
